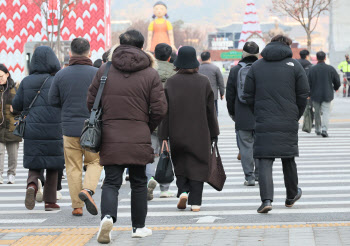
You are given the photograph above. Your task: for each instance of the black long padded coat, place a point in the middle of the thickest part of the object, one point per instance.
(278, 88)
(43, 141)
(190, 124)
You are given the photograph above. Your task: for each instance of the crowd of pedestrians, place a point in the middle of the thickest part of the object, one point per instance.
(149, 100)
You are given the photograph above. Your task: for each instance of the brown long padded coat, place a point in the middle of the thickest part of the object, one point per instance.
(133, 104)
(190, 124)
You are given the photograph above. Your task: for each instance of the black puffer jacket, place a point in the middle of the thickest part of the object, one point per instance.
(69, 91)
(243, 116)
(277, 86)
(323, 79)
(43, 143)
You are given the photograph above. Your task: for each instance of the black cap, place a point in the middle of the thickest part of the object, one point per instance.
(251, 48)
(163, 51)
(187, 58)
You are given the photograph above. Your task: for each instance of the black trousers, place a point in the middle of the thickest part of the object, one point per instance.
(50, 192)
(110, 192)
(290, 173)
(193, 188)
(216, 107)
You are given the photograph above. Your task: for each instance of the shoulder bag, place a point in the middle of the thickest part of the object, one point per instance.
(21, 123)
(91, 135)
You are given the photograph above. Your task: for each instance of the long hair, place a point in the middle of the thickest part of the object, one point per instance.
(5, 70)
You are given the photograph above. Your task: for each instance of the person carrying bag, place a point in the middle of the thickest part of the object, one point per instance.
(21, 123)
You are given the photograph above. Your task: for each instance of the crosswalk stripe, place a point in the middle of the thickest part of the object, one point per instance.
(255, 198)
(240, 212)
(277, 189)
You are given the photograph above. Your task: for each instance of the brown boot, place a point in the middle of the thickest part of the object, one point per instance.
(86, 197)
(239, 156)
(77, 212)
(51, 207)
(30, 196)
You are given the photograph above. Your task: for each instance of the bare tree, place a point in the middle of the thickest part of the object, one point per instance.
(306, 12)
(55, 11)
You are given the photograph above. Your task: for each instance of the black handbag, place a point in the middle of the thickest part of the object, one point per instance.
(307, 124)
(217, 175)
(91, 135)
(21, 123)
(164, 172)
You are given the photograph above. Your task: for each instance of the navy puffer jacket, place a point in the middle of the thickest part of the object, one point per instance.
(277, 87)
(43, 141)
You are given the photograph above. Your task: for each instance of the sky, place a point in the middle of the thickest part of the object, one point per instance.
(215, 12)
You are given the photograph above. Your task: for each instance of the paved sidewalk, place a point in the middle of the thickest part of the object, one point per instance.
(308, 234)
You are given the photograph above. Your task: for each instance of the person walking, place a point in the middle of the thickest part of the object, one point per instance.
(305, 60)
(344, 67)
(323, 80)
(277, 88)
(8, 141)
(191, 126)
(69, 92)
(240, 112)
(215, 77)
(43, 144)
(165, 70)
(133, 104)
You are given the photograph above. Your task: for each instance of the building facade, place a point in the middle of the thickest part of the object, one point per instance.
(24, 23)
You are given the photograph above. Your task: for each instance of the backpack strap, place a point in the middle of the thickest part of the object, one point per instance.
(243, 64)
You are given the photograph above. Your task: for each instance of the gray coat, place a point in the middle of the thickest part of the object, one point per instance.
(215, 78)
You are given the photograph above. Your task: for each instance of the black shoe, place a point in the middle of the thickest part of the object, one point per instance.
(324, 134)
(290, 202)
(265, 207)
(318, 133)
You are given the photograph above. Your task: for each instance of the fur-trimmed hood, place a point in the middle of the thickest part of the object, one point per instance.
(128, 58)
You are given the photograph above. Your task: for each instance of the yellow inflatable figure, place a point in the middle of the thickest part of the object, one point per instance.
(160, 30)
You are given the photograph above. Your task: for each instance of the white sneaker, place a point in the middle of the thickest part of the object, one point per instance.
(195, 208)
(11, 179)
(104, 235)
(182, 201)
(152, 184)
(59, 195)
(166, 194)
(1, 180)
(141, 232)
(40, 193)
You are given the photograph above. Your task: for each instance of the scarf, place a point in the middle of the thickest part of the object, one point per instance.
(80, 60)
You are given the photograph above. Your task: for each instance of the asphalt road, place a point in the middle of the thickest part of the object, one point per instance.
(324, 176)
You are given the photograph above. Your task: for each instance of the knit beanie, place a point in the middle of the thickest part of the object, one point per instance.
(250, 49)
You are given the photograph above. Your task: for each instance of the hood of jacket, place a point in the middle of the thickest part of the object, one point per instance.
(249, 59)
(131, 59)
(44, 61)
(276, 51)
